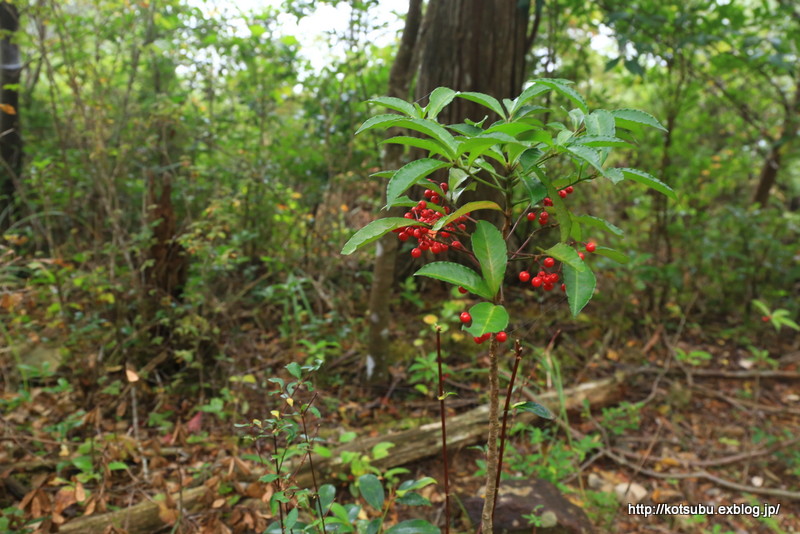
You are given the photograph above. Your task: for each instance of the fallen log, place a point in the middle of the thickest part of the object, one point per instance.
(408, 446)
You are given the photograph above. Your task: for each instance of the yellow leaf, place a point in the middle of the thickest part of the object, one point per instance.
(430, 319)
(276, 414)
(7, 108)
(290, 401)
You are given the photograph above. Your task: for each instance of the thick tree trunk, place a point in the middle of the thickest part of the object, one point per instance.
(378, 359)
(10, 138)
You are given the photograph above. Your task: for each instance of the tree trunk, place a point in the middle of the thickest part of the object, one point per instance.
(769, 172)
(377, 361)
(10, 138)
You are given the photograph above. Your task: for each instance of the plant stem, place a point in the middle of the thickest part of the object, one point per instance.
(311, 461)
(444, 432)
(506, 409)
(492, 454)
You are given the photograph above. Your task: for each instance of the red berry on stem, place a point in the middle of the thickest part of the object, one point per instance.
(462, 290)
(402, 236)
(436, 198)
(547, 201)
(765, 318)
(548, 286)
(531, 216)
(477, 340)
(444, 187)
(436, 248)
(563, 287)
(422, 204)
(581, 255)
(524, 276)
(456, 244)
(428, 193)
(563, 193)
(465, 317)
(549, 262)
(569, 190)
(502, 337)
(416, 252)
(591, 246)
(537, 281)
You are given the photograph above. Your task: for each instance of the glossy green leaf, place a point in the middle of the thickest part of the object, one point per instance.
(433, 130)
(440, 97)
(291, 518)
(379, 121)
(294, 369)
(458, 275)
(527, 95)
(649, 180)
(535, 408)
(580, 286)
(596, 222)
(566, 255)
(511, 128)
(375, 230)
(414, 526)
(417, 142)
(490, 250)
(485, 101)
(372, 490)
(409, 174)
(562, 213)
(612, 254)
(615, 175)
(117, 466)
(469, 207)
(588, 155)
(396, 104)
(631, 118)
(413, 498)
(487, 318)
(327, 492)
(601, 141)
(408, 485)
(563, 87)
(600, 122)
(535, 188)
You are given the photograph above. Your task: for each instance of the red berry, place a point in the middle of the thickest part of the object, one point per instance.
(424, 245)
(524, 276)
(531, 216)
(553, 278)
(444, 186)
(563, 193)
(547, 201)
(456, 244)
(581, 255)
(408, 215)
(486, 336)
(569, 190)
(502, 337)
(591, 247)
(765, 318)
(478, 340)
(549, 262)
(422, 204)
(465, 317)
(537, 281)
(416, 252)
(548, 287)
(428, 193)
(541, 274)
(462, 290)
(563, 287)
(436, 198)
(436, 248)
(402, 236)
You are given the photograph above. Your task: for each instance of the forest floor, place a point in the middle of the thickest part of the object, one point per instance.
(715, 426)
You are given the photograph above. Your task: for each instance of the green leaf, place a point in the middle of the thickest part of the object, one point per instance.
(487, 318)
(413, 498)
(580, 286)
(536, 189)
(490, 249)
(466, 208)
(372, 490)
(408, 175)
(589, 155)
(117, 466)
(409, 485)
(601, 141)
(511, 128)
(291, 518)
(396, 104)
(432, 129)
(379, 121)
(600, 122)
(562, 213)
(566, 255)
(631, 118)
(440, 97)
(596, 222)
(762, 307)
(612, 254)
(425, 144)
(458, 275)
(649, 180)
(615, 175)
(376, 230)
(485, 101)
(414, 526)
(562, 87)
(294, 369)
(528, 94)
(535, 408)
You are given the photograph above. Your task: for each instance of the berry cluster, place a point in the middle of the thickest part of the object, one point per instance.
(466, 318)
(436, 242)
(548, 280)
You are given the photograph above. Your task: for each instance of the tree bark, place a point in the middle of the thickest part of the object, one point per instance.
(383, 273)
(10, 138)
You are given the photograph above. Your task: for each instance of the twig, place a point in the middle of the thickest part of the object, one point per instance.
(506, 409)
(444, 432)
(311, 461)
